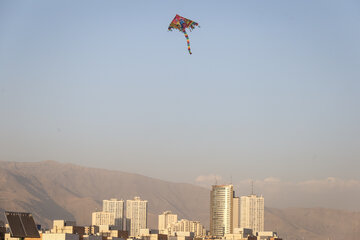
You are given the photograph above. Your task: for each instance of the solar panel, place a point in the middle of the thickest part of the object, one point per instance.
(29, 226)
(22, 225)
(15, 225)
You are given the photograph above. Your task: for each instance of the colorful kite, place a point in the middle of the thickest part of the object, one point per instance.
(181, 23)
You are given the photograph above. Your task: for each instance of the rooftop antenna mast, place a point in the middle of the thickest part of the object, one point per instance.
(252, 187)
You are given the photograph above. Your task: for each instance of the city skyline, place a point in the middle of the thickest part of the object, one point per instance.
(96, 185)
(109, 222)
(221, 196)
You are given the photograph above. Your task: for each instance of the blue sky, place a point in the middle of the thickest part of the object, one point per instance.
(272, 87)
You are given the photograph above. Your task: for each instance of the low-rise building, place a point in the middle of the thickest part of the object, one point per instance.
(266, 235)
(60, 236)
(152, 234)
(64, 226)
(240, 232)
(91, 230)
(234, 236)
(8, 237)
(92, 237)
(102, 218)
(185, 225)
(179, 238)
(115, 234)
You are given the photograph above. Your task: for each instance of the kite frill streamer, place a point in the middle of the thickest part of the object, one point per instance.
(181, 24)
(193, 25)
(188, 42)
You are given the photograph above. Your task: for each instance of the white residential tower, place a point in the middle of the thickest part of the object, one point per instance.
(116, 207)
(252, 212)
(136, 216)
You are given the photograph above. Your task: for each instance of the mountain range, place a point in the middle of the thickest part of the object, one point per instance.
(52, 190)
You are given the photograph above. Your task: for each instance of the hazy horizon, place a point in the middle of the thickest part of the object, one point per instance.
(270, 93)
(331, 193)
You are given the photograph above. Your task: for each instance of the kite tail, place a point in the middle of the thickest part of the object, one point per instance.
(188, 41)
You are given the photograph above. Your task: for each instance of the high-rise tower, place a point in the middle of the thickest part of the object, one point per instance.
(117, 208)
(221, 210)
(136, 216)
(252, 212)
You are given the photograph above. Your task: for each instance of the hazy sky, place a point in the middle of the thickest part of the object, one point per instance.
(272, 88)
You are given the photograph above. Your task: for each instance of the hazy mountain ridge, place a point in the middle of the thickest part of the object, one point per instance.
(314, 223)
(79, 191)
(52, 190)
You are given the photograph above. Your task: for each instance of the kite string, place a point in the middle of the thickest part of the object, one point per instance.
(188, 41)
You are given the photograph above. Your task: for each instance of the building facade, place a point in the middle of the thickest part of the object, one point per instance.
(236, 212)
(136, 216)
(165, 221)
(116, 207)
(252, 212)
(102, 218)
(60, 236)
(187, 226)
(221, 210)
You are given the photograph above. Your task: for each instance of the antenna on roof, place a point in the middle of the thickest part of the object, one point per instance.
(215, 180)
(252, 187)
(230, 179)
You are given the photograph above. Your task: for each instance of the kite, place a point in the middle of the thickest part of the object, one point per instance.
(181, 23)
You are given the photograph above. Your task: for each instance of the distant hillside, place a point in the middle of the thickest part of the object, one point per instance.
(313, 223)
(52, 190)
